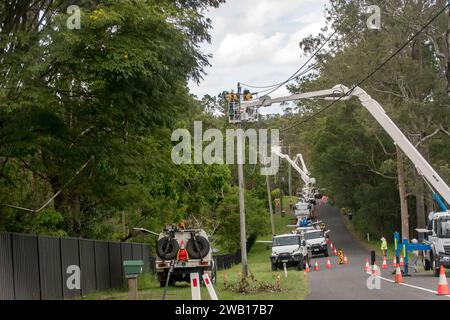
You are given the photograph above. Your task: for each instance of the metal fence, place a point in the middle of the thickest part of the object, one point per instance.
(35, 267)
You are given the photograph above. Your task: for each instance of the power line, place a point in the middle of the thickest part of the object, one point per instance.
(370, 74)
(295, 74)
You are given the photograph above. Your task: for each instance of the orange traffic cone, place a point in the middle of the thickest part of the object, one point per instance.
(345, 260)
(328, 241)
(394, 263)
(328, 265)
(316, 266)
(375, 270)
(367, 267)
(402, 262)
(334, 252)
(398, 275)
(307, 269)
(443, 284)
(331, 246)
(384, 265)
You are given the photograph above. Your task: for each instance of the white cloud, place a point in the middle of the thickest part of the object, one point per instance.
(257, 42)
(290, 53)
(245, 48)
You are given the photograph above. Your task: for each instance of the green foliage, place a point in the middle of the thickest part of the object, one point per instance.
(113, 90)
(228, 213)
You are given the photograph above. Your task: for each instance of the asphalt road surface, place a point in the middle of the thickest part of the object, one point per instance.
(348, 282)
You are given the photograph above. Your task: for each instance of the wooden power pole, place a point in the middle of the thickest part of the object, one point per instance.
(269, 197)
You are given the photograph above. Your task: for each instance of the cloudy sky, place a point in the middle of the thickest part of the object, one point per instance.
(256, 42)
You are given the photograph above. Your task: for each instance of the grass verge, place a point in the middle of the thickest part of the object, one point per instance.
(295, 287)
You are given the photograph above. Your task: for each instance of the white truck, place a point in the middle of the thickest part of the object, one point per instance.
(181, 252)
(289, 249)
(316, 242)
(438, 237)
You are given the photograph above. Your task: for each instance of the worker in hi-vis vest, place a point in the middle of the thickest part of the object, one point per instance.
(384, 246)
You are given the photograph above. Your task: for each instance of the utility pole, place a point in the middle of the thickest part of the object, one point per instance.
(290, 181)
(240, 158)
(281, 192)
(269, 197)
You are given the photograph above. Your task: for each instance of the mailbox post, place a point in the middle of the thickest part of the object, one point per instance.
(132, 270)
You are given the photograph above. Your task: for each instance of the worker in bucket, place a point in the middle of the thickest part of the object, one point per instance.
(415, 256)
(384, 246)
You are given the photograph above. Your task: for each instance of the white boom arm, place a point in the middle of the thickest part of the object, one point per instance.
(375, 109)
(300, 157)
(305, 177)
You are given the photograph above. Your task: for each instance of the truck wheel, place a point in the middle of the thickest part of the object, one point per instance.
(436, 268)
(325, 253)
(300, 264)
(427, 265)
(274, 267)
(167, 248)
(162, 284)
(202, 245)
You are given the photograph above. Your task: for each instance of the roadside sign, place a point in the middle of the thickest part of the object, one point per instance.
(341, 256)
(209, 286)
(195, 286)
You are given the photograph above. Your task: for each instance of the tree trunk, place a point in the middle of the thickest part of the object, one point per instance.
(402, 193)
(420, 202)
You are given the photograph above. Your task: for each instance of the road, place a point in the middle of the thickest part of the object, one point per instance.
(348, 282)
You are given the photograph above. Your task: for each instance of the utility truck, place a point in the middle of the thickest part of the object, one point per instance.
(181, 252)
(438, 237)
(289, 249)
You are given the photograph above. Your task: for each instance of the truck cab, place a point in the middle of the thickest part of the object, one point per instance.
(289, 249)
(439, 239)
(316, 242)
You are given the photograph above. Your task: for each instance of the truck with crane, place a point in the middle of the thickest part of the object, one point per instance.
(437, 236)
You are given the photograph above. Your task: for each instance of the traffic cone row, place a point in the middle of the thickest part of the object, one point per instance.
(398, 275)
(443, 284)
(307, 269)
(384, 265)
(367, 267)
(375, 270)
(402, 262)
(394, 263)
(316, 266)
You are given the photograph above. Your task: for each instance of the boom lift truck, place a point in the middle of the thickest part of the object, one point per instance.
(310, 195)
(436, 244)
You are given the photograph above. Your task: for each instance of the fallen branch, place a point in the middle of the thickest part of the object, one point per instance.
(56, 194)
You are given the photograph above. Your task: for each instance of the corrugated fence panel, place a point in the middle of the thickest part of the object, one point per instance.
(115, 264)
(26, 267)
(6, 268)
(146, 257)
(127, 253)
(50, 268)
(102, 265)
(69, 257)
(87, 264)
(137, 251)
